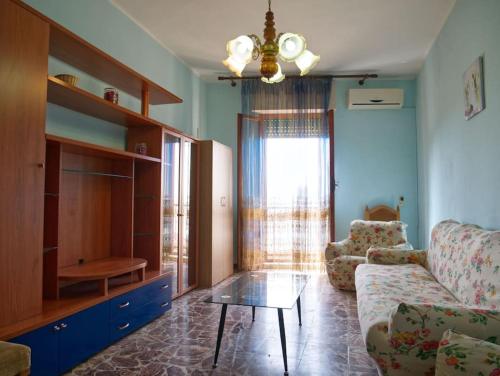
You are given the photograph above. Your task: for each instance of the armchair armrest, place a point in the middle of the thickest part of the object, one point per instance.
(337, 249)
(396, 256)
(415, 329)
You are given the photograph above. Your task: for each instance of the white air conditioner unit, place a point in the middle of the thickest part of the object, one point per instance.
(375, 99)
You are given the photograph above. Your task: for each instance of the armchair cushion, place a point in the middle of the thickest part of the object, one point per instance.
(393, 256)
(14, 358)
(459, 354)
(365, 234)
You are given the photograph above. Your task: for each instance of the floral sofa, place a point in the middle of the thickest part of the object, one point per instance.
(342, 258)
(408, 299)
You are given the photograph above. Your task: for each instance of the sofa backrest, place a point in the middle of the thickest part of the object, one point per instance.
(365, 234)
(466, 260)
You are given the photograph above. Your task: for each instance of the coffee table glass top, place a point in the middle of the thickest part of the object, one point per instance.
(262, 289)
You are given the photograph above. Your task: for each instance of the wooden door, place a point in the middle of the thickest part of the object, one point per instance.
(24, 40)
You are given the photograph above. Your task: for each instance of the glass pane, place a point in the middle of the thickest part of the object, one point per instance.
(170, 197)
(189, 210)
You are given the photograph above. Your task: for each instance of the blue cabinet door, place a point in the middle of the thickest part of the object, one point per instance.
(44, 349)
(82, 335)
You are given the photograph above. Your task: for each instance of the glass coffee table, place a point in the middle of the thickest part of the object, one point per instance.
(261, 289)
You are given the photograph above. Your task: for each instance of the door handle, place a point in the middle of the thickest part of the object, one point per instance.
(124, 305)
(164, 304)
(64, 325)
(164, 287)
(56, 328)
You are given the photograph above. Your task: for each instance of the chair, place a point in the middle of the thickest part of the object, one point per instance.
(382, 213)
(14, 359)
(342, 258)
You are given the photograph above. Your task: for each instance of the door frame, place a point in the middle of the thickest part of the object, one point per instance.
(331, 141)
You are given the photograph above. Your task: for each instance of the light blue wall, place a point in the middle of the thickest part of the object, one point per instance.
(459, 173)
(223, 105)
(375, 151)
(104, 26)
(375, 157)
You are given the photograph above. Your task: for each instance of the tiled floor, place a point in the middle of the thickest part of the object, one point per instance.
(182, 342)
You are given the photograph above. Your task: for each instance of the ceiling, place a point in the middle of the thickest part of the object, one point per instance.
(388, 37)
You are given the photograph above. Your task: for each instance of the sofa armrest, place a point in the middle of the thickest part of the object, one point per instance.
(415, 329)
(337, 249)
(395, 256)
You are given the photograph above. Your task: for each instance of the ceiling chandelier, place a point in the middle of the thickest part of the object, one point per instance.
(289, 47)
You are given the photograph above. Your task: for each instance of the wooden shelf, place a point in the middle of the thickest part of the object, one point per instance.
(102, 270)
(76, 99)
(99, 269)
(84, 148)
(74, 50)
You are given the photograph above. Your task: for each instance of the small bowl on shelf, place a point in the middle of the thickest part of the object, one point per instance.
(68, 78)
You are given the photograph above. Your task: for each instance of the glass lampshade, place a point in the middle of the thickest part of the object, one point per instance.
(278, 77)
(240, 48)
(291, 46)
(306, 61)
(234, 65)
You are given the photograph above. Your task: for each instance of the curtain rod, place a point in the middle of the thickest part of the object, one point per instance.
(363, 77)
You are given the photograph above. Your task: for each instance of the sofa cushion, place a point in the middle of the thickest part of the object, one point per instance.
(380, 288)
(364, 234)
(466, 260)
(459, 354)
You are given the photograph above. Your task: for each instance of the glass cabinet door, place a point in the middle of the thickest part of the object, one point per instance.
(188, 223)
(170, 196)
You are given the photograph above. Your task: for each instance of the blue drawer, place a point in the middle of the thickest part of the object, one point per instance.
(122, 305)
(141, 316)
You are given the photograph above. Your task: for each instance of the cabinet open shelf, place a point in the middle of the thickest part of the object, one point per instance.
(84, 148)
(95, 173)
(102, 270)
(76, 99)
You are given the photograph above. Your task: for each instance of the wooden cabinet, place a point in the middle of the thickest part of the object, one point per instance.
(216, 213)
(63, 344)
(24, 43)
(59, 346)
(179, 211)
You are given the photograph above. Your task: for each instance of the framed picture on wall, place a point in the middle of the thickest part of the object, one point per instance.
(474, 89)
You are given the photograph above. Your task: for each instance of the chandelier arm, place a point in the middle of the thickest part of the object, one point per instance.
(278, 37)
(257, 45)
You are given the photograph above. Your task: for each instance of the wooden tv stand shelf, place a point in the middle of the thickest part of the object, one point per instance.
(102, 270)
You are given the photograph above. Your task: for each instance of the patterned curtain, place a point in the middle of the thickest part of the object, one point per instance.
(284, 212)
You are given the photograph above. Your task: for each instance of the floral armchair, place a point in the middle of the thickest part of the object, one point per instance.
(342, 258)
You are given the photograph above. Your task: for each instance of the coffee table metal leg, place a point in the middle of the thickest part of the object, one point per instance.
(253, 313)
(298, 311)
(219, 334)
(283, 338)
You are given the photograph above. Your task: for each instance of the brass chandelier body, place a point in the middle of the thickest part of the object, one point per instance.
(287, 46)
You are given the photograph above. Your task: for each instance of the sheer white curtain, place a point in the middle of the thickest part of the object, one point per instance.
(284, 198)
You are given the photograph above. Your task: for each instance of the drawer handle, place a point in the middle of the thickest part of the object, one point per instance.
(64, 326)
(164, 287)
(57, 328)
(124, 326)
(164, 304)
(124, 305)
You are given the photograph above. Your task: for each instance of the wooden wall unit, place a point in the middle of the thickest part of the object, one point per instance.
(24, 43)
(79, 223)
(216, 213)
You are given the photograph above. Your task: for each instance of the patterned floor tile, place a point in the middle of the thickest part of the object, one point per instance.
(182, 342)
